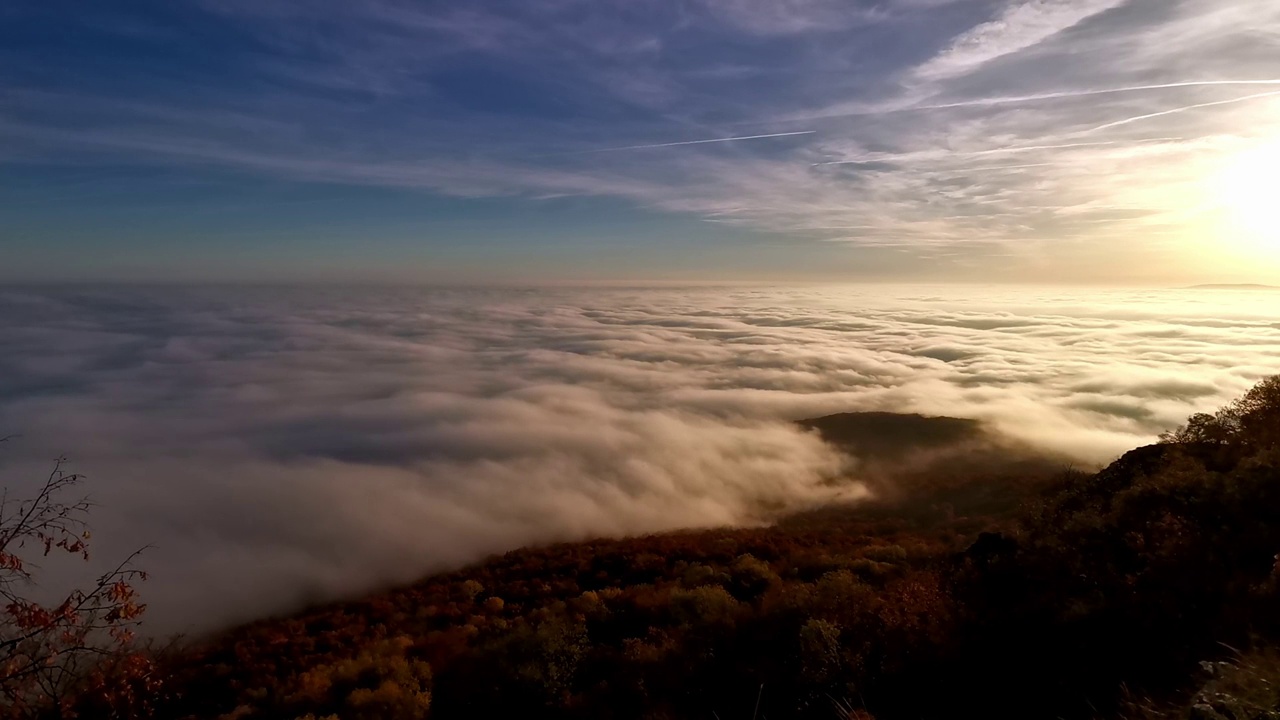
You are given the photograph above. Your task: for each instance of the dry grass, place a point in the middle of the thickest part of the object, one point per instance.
(1247, 688)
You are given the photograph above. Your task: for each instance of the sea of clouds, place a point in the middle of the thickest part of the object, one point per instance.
(286, 446)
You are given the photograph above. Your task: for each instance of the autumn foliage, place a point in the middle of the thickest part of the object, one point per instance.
(1147, 589)
(75, 650)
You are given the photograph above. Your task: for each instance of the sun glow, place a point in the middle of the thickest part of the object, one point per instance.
(1248, 191)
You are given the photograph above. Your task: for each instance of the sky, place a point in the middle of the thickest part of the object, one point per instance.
(1092, 141)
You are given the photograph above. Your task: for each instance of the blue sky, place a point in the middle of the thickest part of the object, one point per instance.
(1011, 140)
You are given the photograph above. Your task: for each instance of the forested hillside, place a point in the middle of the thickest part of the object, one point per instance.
(1148, 589)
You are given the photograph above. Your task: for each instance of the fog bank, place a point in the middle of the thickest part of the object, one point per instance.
(282, 446)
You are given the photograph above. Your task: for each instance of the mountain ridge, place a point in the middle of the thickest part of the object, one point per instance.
(1233, 286)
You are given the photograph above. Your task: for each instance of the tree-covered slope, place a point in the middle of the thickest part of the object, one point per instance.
(1069, 594)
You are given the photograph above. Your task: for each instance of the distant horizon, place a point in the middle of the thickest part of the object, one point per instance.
(655, 283)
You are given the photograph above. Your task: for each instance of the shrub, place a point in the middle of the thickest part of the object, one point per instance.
(379, 682)
(819, 651)
(750, 577)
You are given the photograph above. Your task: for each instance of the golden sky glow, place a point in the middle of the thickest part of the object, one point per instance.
(1095, 141)
(1248, 188)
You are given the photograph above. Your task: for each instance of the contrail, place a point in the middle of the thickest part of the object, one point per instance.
(701, 142)
(998, 151)
(1003, 167)
(1064, 146)
(1030, 148)
(1174, 111)
(1013, 99)
(1016, 99)
(976, 153)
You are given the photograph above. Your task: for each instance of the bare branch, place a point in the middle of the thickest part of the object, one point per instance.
(49, 652)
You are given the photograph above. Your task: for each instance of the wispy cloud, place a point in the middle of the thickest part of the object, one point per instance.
(790, 17)
(882, 157)
(915, 102)
(1022, 25)
(883, 117)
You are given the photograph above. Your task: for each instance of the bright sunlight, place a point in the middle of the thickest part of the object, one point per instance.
(1248, 190)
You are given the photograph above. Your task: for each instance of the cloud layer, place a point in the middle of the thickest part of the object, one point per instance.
(287, 446)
